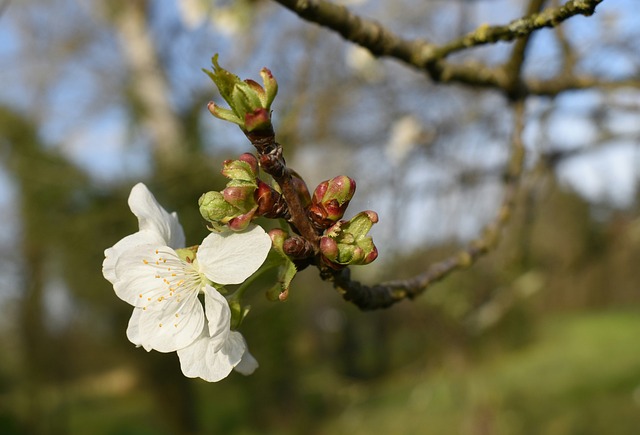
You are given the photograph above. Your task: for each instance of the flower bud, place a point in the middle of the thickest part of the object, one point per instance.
(241, 197)
(286, 270)
(330, 200)
(278, 236)
(347, 242)
(257, 119)
(241, 222)
(252, 161)
(215, 209)
(241, 170)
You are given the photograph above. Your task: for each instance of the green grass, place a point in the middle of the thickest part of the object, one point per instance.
(581, 376)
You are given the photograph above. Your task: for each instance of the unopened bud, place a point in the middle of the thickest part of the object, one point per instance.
(252, 161)
(330, 200)
(240, 197)
(215, 209)
(241, 222)
(244, 169)
(278, 236)
(347, 243)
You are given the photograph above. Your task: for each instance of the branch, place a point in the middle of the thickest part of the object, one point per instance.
(429, 57)
(273, 163)
(521, 27)
(388, 293)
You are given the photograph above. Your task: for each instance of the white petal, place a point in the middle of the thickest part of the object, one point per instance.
(230, 258)
(165, 291)
(218, 313)
(247, 365)
(112, 254)
(149, 276)
(201, 360)
(171, 329)
(133, 329)
(151, 216)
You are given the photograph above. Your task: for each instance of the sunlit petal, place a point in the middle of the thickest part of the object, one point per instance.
(131, 241)
(173, 328)
(247, 365)
(152, 216)
(218, 313)
(232, 257)
(149, 276)
(201, 360)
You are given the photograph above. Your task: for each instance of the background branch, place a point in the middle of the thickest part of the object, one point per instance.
(429, 57)
(390, 292)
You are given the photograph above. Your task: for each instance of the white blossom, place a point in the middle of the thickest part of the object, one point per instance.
(164, 286)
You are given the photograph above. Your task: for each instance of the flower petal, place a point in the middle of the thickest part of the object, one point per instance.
(133, 329)
(247, 365)
(112, 254)
(149, 276)
(170, 329)
(164, 290)
(202, 360)
(232, 257)
(151, 216)
(218, 313)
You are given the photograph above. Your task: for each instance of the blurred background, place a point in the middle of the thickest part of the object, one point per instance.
(540, 337)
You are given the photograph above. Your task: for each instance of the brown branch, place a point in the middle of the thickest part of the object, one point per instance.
(428, 57)
(388, 293)
(273, 163)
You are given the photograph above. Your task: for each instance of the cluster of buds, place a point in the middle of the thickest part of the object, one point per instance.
(244, 197)
(347, 243)
(250, 103)
(330, 241)
(342, 243)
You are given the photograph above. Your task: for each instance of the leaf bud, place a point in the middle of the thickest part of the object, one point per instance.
(250, 103)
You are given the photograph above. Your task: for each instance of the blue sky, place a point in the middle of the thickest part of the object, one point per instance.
(95, 132)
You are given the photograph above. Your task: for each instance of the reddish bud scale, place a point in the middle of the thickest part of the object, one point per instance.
(251, 160)
(298, 248)
(271, 203)
(273, 164)
(318, 217)
(259, 119)
(241, 222)
(301, 188)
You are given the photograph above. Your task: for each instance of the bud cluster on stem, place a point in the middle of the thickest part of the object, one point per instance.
(317, 232)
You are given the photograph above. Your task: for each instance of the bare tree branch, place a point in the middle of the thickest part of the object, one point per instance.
(431, 58)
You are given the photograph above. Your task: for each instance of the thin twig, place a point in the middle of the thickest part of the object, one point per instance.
(380, 41)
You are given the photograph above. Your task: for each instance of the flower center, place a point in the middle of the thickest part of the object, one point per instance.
(177, 278)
